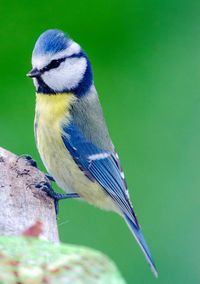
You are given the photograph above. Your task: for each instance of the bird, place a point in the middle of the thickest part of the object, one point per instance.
(71, 133)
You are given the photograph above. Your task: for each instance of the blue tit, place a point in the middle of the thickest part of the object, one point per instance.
(71, 134)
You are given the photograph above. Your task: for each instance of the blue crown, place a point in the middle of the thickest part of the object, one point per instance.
(51, 41)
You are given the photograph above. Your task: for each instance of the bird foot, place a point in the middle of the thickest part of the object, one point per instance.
(46, 186)
(33, 163)
(49, 177)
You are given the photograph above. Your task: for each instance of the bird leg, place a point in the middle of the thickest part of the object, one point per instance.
(46, 186)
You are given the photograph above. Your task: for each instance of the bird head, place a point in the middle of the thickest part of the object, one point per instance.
(60, 65)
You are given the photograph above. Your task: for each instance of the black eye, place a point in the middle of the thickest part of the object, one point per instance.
(54, 64)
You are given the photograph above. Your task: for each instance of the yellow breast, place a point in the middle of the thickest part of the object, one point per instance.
(53, 108)
(52, 111)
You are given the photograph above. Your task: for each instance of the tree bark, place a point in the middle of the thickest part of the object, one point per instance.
(21, 204)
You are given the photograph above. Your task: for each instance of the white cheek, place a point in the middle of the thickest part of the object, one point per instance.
(67, 75)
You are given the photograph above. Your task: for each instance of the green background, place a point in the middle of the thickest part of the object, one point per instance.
(146, 61)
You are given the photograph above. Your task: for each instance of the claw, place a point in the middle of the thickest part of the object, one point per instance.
(29, 159)
(34, 164)
(49, 177)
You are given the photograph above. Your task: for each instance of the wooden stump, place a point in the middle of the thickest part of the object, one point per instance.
(21, 204)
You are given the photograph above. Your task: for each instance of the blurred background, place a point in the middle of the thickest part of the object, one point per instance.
(146, 62)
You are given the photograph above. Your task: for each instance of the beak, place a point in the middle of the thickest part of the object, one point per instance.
(34, 73)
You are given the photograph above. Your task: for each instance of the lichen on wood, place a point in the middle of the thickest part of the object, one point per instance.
(29, 260)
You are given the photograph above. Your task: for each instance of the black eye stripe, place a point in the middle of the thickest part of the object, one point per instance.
(53, 64)
(56, 62)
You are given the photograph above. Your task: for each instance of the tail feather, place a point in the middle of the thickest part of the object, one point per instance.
(142, 243)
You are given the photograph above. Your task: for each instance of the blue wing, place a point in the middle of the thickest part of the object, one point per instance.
(104, 167)
(99, 165)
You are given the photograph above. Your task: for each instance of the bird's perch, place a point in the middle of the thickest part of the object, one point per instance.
(22, 205)
(29, 260)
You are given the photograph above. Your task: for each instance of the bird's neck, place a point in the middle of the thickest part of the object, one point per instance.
(53, 109)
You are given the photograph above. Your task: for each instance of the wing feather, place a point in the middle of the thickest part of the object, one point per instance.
(99, 165)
